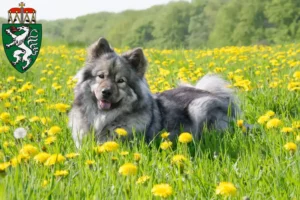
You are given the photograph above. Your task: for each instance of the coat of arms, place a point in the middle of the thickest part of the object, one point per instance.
(22, 37)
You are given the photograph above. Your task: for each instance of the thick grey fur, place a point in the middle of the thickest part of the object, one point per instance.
(187, 108)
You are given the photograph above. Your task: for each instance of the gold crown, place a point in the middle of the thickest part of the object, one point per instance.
(21, 15)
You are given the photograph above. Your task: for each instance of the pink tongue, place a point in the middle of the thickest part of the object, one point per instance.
(105, 104)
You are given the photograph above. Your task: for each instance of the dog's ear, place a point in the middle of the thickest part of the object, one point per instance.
(137, 60)
(99, 48)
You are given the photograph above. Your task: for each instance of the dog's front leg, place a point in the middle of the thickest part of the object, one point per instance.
(109, 133)
(78, 136)
(80, 127)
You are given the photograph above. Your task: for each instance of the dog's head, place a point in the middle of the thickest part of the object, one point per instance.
(112, 78)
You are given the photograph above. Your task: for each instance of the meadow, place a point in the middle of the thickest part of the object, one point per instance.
(42, 162)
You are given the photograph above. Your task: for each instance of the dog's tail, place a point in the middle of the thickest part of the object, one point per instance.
(216, 85)
(220, 88)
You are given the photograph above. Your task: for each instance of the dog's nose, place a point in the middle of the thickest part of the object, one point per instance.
(106, 92)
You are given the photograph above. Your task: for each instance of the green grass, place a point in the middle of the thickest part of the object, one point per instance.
(255, 162)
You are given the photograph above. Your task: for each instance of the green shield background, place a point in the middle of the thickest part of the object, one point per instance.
(36, 39)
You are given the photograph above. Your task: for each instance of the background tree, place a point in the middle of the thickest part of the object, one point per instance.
(195, 24)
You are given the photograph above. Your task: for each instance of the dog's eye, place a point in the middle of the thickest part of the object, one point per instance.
(101, 76)
(121, 80)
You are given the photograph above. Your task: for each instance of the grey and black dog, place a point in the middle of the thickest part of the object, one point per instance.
(112, 92)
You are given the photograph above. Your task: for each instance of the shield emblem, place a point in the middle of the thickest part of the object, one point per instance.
(22, 41)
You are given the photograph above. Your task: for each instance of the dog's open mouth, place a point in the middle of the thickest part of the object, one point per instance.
(104, 104)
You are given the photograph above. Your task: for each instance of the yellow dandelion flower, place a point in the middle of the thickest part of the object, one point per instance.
(8, 144)
(294, 86)
(10, 78)
(23, 156)
(61, 107)
(41, 157)
(99, 149)
(164, 72)
(90, 162)
(114, 158)
(185, 137)
(162, 190)
(15, 161)
(110, 146)
(45, 120)
(298, 138)
(178, 159)
(166, 145)
(137, 156)
(128, 169)
(30, 136)
(7, 105)
(40, 101)
(290, 146)
(121, 131)
(61, 173)
(273, 123)
(16, 98)
(142, 179)
(4, 95)
(50, 72)
(287, 130)
(44, 183)
(165, 135)
(270, 113)
(3, 166)
(5, 116)
(4, 129)
(124, 153)
(20, 118)
(54, 130)
(50, 140)
(226, 189)
(72, 155)
(29, 150)
(40, 91)
(240, 123)
(55, 158)
(296, 75)
(263, 119)
(296, 124)
(34, 119)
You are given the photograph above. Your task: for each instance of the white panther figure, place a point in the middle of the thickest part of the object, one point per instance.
(18, 40)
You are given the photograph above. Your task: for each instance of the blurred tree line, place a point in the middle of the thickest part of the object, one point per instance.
(195, 24)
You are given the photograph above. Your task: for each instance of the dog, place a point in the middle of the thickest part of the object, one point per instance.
(112, 92)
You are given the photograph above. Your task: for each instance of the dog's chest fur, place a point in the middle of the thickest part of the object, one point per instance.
(105, 123)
